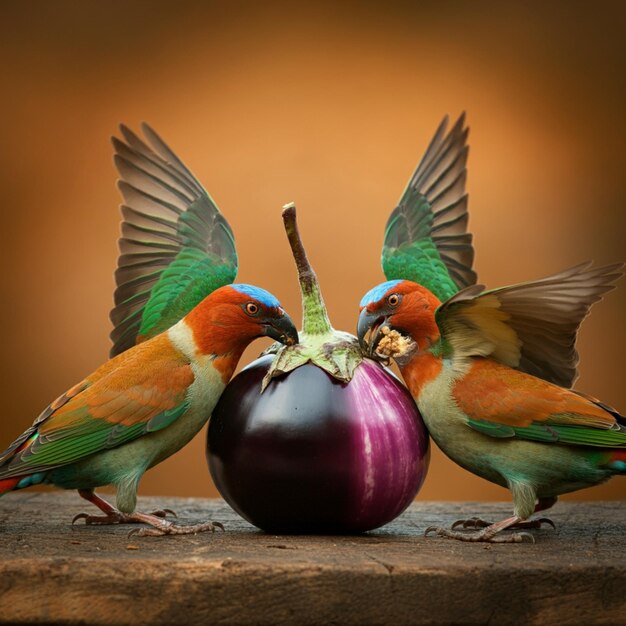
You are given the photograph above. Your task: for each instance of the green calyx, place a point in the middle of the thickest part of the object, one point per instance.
(336, 352)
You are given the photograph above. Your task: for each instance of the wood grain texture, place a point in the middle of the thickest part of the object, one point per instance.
(51, 573)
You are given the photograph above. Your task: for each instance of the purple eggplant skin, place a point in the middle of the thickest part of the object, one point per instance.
(313, 455)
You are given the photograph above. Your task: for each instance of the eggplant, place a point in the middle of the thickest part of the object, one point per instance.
(313, 454)
(317, 438)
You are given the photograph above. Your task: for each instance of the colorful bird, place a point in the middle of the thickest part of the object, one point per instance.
(143, 405)
(484, 369)
(150, 399)
(489, 370)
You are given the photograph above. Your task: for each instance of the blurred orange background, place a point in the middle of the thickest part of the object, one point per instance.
(326, 104)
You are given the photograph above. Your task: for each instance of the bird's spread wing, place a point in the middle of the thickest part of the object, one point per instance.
(426, 238)
(504, 403)
(176, 247)
(142, 394)
(530, 326)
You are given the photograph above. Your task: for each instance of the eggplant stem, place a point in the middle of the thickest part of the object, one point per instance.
(315, 320)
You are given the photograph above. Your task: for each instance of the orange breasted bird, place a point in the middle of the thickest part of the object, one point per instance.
(180, 329)
(490, 371)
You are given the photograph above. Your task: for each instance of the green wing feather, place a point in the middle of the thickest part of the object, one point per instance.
(551, 432)
(89, 436)
(116, 408)
(426, 238)
(176, 247)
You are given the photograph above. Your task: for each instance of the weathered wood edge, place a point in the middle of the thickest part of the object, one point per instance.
(51, 574)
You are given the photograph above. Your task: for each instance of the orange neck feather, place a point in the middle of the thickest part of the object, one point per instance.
(420, 370)
(226, 364)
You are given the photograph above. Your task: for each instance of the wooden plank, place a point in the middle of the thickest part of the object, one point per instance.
(51, 573)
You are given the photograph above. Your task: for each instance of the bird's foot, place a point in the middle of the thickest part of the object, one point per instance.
(489, 533)
(476, 522)
(156, 519)
(117, 517)
(486, 534)
(162, 527)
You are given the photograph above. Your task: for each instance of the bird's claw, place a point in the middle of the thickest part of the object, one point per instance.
(476, 522)
(157, 524)
(91, 520)
(117, 517)
(481, 535)
(167, 528)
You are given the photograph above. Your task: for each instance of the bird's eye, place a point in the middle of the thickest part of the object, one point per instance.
(251, 308)
(393, 299)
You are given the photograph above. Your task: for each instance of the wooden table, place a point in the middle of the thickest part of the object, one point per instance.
(51, 573)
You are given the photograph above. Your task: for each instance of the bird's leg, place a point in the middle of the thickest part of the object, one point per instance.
(160, 526)
(542, 505)
(488, 533)
(111, 514)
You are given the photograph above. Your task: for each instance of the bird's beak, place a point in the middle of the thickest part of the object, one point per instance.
(281, 329)
(372, 323)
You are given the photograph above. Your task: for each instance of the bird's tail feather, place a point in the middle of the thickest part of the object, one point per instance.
(617, 461)
(9, 484)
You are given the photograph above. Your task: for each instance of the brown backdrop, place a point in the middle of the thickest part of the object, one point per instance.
(327, 106)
